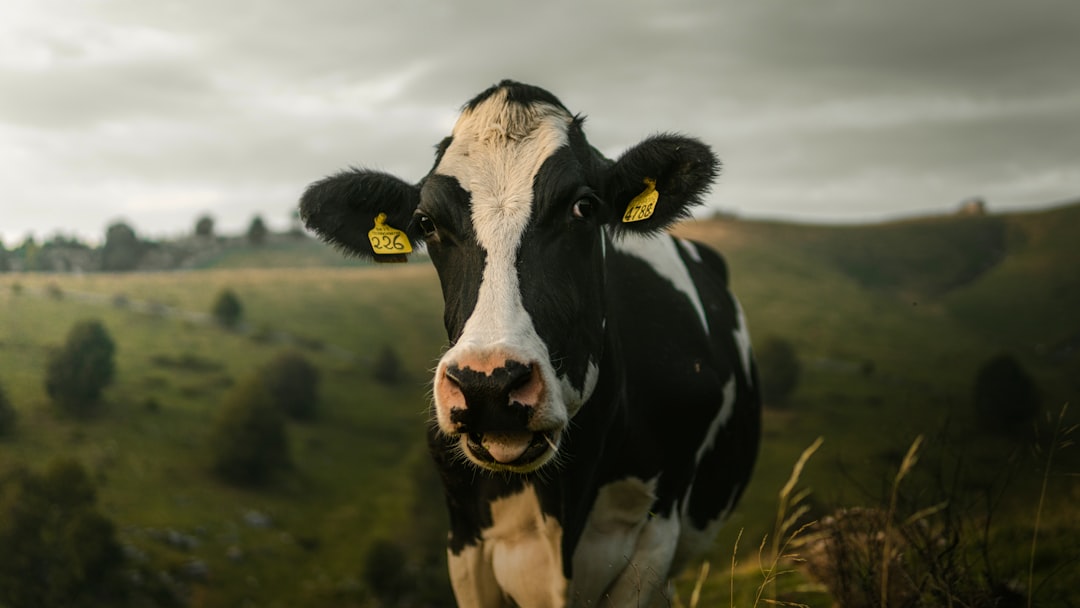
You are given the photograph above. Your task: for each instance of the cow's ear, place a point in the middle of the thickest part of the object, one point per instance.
(658, 181)
(345, 208)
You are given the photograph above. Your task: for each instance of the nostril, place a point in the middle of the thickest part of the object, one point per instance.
(451, 373)
(518, 375)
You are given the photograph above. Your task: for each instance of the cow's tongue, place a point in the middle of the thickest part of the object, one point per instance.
(506, 447)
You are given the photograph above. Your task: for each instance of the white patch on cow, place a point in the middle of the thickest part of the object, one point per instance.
(690, 249)
(694, 542)
(644, 579)
(660, 253)
(699, 540)
(496, 152)
(742, 340)
(610, 537)
(727, 407)
(472, 578)
(524, 550)
(578, 397)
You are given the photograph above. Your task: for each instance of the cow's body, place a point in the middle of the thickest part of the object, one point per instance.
(597, 412)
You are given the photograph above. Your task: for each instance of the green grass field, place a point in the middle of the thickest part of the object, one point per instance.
(920, 304)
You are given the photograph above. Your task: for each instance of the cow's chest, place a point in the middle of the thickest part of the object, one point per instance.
(519, 557)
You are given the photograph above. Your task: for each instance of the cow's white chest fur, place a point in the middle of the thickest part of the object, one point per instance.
(519, 558)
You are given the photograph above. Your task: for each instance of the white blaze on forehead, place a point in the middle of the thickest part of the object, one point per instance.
(496, 152)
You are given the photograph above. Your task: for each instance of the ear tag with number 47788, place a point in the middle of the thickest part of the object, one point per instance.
(387, 239)
(642, 205)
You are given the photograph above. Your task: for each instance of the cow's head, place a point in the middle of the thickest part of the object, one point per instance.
(516, 214)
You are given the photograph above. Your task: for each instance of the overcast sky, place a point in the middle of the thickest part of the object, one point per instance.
(155, 113)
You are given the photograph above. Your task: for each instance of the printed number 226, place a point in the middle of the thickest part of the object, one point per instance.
(386, 241)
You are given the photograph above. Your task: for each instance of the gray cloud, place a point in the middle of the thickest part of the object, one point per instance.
(839, 110)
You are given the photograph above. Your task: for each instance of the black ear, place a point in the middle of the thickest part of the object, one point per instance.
(344, 208)
(658, 181)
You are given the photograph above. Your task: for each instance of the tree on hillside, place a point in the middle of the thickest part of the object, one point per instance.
(388, 368)
(58, 550)
(778, 368)
(77, 372)
(293, 384)
(1006, 397)
(204, 226)
(122, 250)
(249, 443)
(227, 309)
(257, 231)
(7, 414)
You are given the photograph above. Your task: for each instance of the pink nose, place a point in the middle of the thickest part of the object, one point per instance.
(489, 394)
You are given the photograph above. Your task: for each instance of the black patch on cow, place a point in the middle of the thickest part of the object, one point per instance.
(454, 251)
(559, 267)
(441, 147)
(516, 92)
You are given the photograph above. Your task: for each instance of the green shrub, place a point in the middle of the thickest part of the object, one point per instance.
(58, 550)
(257, 231)
(386, 572)
(388, 368)
(293, 384)
(249, 444)
(7, 414)
(227, 309)
(77, 372)
(122, 250)
(778, 368)
(1006, 397)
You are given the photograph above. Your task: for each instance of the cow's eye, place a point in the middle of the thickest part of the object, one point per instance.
(584, 208)
(426, 225)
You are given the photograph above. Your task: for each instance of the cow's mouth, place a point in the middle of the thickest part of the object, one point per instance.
(516, 451)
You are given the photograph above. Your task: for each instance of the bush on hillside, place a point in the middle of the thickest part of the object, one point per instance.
(779, 369)
(293, 384)
(257, 231)
(249, 444)
(386, 572)
(58, 550)
(204, 226)
(227, 309)
(7, 414)
(1006, 397)
(388, 368)
(122, 250)
(77, 372)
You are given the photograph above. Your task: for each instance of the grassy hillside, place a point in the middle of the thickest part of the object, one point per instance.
(890, 323)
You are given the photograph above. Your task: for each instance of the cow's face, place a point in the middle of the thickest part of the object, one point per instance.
(515, 215)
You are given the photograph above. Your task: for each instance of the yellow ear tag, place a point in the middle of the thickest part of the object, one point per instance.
(387, 239)
(642, 205)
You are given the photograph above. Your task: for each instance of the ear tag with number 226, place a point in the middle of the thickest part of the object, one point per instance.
(387, 239)
(642, 205)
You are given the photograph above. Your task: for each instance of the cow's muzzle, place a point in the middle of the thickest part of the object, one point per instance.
(495, 409)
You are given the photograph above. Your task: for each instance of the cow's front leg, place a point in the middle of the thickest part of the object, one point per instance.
(625, 552)
(517, 562)
(473, 579)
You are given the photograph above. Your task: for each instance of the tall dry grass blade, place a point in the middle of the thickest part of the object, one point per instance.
(1042, 498)
(695, 595)
(906, 465)
(784, 519)
(734, 554)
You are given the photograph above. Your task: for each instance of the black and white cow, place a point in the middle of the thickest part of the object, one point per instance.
(597, 414)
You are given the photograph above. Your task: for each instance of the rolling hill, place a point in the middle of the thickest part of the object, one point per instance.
(890, 322)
